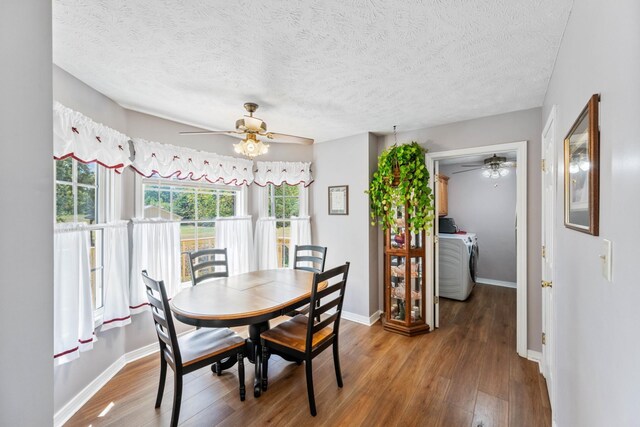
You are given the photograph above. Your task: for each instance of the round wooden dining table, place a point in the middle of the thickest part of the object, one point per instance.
(247, 299)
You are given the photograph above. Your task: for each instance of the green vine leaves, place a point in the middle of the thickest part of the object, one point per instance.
(402, 179)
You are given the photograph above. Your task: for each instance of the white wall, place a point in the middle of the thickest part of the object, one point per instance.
(598, 343)
(346, 161)
(510, 127)
(486, 207)
(26, 228)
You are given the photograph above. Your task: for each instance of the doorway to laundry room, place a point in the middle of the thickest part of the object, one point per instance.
(477, 248)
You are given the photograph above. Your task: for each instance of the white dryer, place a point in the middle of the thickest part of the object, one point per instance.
(458, 255)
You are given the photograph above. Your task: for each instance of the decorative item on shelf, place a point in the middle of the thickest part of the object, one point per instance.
(581, 171)
(402, 204)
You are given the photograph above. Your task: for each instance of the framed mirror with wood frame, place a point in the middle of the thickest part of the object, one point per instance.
(582, 171)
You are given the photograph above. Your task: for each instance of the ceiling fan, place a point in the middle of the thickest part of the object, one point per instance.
(493, 167)
(249, 128)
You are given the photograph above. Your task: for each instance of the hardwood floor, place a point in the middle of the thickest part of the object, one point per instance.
(466, 373)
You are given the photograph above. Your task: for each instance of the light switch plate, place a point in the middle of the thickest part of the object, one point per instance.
(605, 259)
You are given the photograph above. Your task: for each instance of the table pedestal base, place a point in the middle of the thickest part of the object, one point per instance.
(254, 352)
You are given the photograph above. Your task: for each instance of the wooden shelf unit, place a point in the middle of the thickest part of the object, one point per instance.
(404, 279)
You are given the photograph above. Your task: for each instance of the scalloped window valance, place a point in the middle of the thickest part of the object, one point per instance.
(76, 135)
(277, 173)
(185, 163)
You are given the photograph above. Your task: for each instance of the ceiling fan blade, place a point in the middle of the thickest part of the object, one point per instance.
(509, 164)
(212, 132)
(289, 139)
(468, 170)
(472, 166)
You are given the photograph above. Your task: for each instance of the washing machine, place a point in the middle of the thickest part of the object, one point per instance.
(458, 260)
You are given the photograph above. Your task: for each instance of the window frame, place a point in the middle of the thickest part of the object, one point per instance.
(303, 208)
(241, 199)
(106, 209)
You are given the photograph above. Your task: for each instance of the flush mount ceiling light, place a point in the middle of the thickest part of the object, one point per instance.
(493, 167)
(249, 128)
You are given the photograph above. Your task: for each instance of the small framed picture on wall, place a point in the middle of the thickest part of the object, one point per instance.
(339, 200)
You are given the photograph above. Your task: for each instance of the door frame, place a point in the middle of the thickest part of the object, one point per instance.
(520, 148)
(547, 362)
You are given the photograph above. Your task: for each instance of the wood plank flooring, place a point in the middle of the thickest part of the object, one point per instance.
(466, 373)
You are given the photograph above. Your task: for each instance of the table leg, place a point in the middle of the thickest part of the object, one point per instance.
(254, 341)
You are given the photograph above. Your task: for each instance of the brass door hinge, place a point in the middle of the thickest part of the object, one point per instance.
(544, 251)
(543, 165)
(436, 300)
(546, 284)
(435, 239)
(544, 338)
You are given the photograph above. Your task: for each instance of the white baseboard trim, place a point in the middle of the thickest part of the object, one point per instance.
(358, 318)
(535, 356)
(504, 284)
(68, 410)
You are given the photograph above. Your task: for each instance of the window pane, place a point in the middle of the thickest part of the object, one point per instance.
(227, 204)
(291, 190)
(64, 203)
(64, 169)
(87, 205)
(164, 203)
(87, 173)
(279, 207)
(206, 235)
(188, 235)
(207, 204)
(279, 190)
(292, 207)
(283, 239)
(184, 204)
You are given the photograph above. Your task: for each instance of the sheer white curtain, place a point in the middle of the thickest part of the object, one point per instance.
(116, 311)
(156, 248)
(266, 244)
(236, 235)
(73, 311)
(300, 225)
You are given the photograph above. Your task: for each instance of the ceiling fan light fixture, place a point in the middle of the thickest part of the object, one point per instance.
(486, 173)
(504, 172)
(251, 147)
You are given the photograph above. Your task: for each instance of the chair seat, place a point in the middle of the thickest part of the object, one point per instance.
(207, 342)
(293, 334)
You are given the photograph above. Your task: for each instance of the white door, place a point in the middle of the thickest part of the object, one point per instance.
(548, 203)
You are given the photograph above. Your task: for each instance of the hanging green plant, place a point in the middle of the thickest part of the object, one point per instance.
(402, 177)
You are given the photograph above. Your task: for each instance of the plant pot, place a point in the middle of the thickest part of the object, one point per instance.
(396, 176)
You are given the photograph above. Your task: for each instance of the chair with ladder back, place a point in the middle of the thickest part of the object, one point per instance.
(204, 264)
(302, 338)
(191, 351)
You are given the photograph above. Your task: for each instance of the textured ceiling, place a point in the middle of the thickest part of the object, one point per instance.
(322, 69)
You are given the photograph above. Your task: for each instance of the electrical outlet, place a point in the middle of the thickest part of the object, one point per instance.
(605, 259)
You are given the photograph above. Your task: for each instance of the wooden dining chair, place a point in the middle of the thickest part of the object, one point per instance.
(191, 351)
(316, 258)
(203, 264)
(302, 338)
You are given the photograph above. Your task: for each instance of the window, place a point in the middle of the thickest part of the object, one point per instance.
(78, 200)
(284, 202)
(195, 206)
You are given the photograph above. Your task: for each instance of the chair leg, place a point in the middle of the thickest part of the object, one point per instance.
(243, 391)
(312, 398)
(163, 377)
(177, 399)
(265, 367)
(336, 363)
(218, 368)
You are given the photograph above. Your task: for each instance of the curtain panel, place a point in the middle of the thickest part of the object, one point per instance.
(236, 235)
(300, 235)
(277, 173)
(116, 311)
(76, 135)
(155, 247)
(185, 163)
(72, 302)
